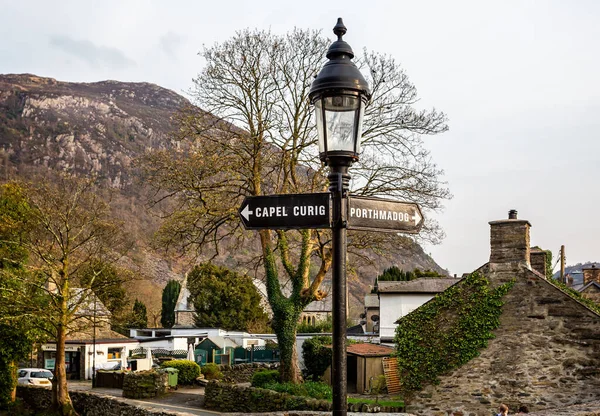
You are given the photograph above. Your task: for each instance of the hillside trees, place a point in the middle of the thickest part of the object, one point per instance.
(107, 281)
(18, 333)
(169, 299)
(139, 315)
(255, 135)
(67, 227)
(225, 299)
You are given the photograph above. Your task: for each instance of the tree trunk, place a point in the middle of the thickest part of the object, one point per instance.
(61, 400)
(13, 370)
(289, 369)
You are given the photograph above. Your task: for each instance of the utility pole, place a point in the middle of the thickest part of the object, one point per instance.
(563, 278)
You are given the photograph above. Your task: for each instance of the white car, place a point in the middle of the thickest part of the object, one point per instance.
(34, 377)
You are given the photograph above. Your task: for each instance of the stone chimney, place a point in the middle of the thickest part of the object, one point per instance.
(591, 274)
(537, 258)
(510, 240)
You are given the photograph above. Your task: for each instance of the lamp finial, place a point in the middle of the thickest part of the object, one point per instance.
(339, 29)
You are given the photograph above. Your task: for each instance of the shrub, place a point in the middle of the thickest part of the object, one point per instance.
(211, 371)
(317, 356)
(313, 389)
(264, 377)
(189, 371)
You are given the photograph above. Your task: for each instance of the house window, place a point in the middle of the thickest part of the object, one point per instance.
(114, 353)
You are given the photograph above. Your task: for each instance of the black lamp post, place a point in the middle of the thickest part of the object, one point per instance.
(339, 94)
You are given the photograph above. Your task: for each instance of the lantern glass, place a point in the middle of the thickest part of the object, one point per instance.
(339, 123)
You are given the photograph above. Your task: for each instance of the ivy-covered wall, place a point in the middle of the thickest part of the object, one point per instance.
(447, 331)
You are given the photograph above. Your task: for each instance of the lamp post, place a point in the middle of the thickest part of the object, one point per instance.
(339, 94)
(94, 348)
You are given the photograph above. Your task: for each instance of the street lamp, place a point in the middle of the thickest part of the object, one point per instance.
(339, 94)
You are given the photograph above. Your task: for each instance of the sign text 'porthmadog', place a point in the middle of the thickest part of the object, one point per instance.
(375, 214)
(283, 212)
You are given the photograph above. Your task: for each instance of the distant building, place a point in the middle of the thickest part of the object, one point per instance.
(372, 313)
(317, 311)
(399, 298)
(184, 309)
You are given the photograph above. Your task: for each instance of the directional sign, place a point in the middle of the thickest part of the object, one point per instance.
(375, 214)
(283, 212)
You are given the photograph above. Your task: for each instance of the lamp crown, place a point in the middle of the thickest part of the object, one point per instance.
(340, 47)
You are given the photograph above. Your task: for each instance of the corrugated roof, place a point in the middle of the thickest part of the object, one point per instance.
(423, 285)
(369, 350)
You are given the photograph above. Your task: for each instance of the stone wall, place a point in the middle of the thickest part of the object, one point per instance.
(40, 399)
(224, 397)
(145, 384)
(546, 353)
(538, 261)
(591, 274)
(509, 241)
(242, 373)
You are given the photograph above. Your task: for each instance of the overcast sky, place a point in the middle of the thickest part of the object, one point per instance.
(519, 81)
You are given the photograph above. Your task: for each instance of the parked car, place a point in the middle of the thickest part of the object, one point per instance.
(34, 376)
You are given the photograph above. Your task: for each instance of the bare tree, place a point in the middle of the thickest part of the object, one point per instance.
(67, 228)
(255, 136)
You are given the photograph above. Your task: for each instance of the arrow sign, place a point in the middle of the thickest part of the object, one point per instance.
(285, 212)
(375, 214)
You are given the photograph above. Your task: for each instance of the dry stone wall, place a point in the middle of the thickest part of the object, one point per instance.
(89, 404)
(145, 384)
(242, 373)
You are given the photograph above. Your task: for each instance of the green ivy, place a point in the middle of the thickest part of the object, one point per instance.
(577, 295)
(316, 353)
(448, 331)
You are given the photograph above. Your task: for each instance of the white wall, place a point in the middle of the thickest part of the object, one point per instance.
(396, 305)
(102, 358)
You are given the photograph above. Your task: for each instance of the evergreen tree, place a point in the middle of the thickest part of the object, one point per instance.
(225, 299)
(169, 299)
(139, 316)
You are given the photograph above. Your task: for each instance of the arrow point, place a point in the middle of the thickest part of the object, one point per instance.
(246, 213)
(417, 217)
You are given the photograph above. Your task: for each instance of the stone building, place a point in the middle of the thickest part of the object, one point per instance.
(371, 313)
(184, 309)
(546, 353)
(317, 311)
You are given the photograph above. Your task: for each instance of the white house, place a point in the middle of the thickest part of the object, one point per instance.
(398, 299)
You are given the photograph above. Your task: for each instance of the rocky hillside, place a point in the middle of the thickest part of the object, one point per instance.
(100, 128)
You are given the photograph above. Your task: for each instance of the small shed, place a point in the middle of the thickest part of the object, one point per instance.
(218, 350)
(364, 362)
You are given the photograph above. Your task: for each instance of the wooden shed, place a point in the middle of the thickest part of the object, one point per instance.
(364, 363)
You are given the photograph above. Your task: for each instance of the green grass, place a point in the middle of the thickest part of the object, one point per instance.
(393, 403)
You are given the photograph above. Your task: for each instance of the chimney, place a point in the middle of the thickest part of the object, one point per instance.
(537, 258)
(591, 274)
(510, 240)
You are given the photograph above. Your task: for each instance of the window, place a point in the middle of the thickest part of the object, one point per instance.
(22, 373)
(42, 374)
(114, 353)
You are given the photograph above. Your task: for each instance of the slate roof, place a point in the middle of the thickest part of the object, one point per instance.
(423, 285)
(371, 300)
(323, 305)
(590, 286)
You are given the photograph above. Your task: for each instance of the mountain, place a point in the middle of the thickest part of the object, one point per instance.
(101, 128)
